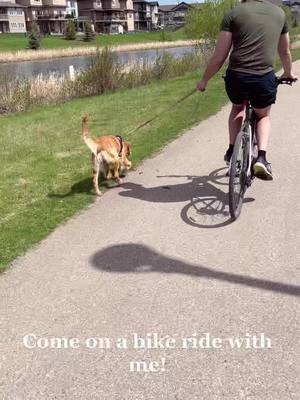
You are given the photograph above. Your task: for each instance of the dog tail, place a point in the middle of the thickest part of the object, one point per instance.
(91, 144)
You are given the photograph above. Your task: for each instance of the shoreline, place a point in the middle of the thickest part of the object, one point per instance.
(37, 55)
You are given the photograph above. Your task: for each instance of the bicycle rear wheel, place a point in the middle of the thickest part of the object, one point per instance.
(238, 174)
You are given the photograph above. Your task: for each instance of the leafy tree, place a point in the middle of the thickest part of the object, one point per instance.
(203, 21)
(70, 33)
(288, 15)
(34, 38)
(89, 34)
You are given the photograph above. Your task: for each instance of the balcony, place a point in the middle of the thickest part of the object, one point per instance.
(4, 17)
(110, 18)
(55, 3)
(51, 16)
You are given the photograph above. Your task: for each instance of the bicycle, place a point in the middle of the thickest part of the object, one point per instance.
(241, 173)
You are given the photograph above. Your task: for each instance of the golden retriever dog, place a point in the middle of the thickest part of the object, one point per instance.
(109, 155)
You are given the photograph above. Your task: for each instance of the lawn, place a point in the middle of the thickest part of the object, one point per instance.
(15, 42)
(45, 174)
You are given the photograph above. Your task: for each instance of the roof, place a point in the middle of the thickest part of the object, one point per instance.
(145, 1)
(7, 4)
(173, 7)
(152, 3)
(167, 8)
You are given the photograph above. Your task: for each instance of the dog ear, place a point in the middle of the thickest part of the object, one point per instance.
(128, 146)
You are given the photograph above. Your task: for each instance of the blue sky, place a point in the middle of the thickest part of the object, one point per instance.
(165, 2)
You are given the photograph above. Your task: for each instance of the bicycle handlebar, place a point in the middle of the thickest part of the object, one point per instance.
(286, 81)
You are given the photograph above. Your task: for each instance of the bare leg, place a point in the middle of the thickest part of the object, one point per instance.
(109, 173)
(235, 121)
(96, 167)
(262, 127)
(116, 173)
(262, 169)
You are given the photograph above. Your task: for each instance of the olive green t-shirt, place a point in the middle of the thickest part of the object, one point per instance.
(256, 27)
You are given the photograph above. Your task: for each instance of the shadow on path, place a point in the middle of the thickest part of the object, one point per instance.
(130, 257)
(207, 205)
(84, 186)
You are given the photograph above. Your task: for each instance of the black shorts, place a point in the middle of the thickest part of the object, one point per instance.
(260, 90)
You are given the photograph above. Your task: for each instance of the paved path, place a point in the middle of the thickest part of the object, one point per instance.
(158, 256)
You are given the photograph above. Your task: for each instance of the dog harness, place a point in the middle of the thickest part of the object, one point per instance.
(120, 140)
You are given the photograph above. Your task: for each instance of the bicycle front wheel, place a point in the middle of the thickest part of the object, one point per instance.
(238, 175)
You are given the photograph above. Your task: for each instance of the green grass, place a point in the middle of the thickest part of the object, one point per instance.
(15, 42)
(45, 174)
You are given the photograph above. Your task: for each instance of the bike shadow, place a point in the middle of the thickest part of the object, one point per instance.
(207, 204)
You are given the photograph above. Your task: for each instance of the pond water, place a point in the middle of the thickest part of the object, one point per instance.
(60, 66)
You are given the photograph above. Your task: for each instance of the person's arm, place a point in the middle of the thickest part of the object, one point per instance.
(218, 58)
(285, 55)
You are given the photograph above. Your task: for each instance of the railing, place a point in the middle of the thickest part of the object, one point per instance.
(121, 18)
(4, 17)
(51, 16)
(51, 3)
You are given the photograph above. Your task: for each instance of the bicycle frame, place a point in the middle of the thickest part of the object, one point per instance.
(249, 131)
(240, 170)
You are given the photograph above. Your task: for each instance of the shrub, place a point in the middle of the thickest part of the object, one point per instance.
(70, 33)
(102, 75)
(163, 66)
(14, 94)
(89, 34)
(34, 38)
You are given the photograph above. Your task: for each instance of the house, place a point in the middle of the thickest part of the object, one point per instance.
(50, 15)
(12, 17)
(145, 15)
(108, 16)
(173, 15)
(295, 11)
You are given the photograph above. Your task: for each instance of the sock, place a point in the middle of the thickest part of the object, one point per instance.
(230, 150)
(262, 154)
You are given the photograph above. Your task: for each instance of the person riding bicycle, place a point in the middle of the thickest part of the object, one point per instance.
(254, 29)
